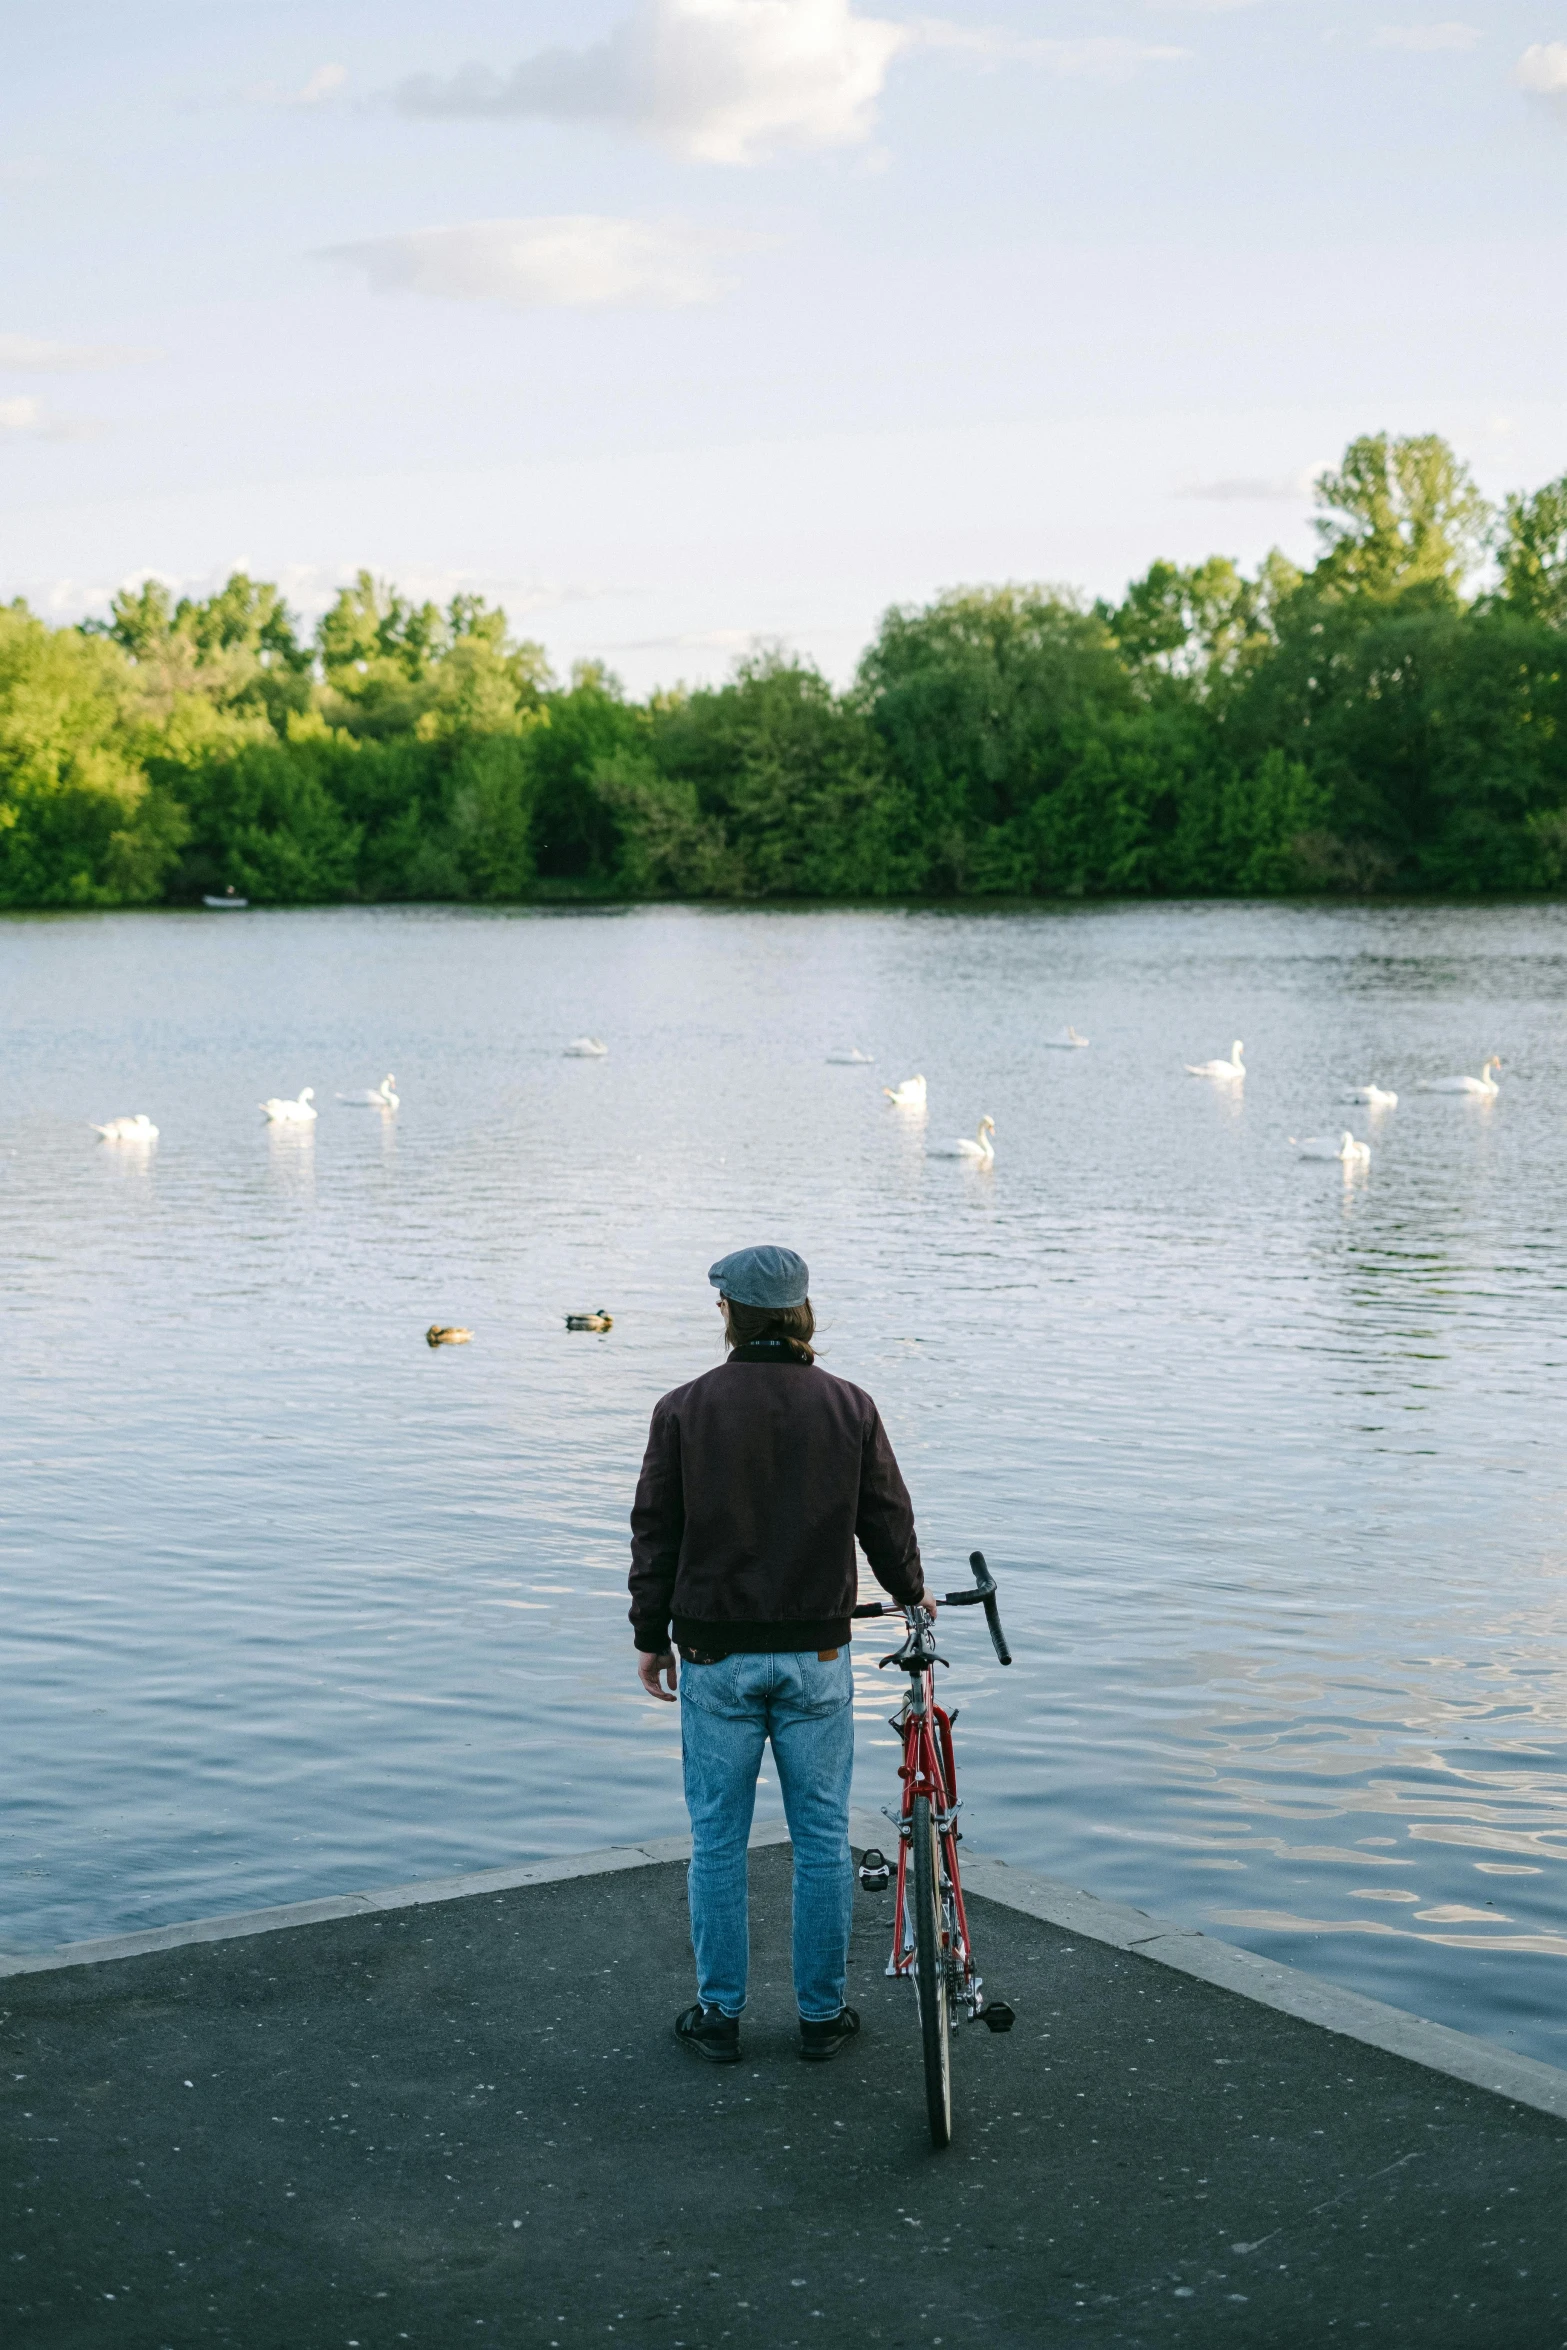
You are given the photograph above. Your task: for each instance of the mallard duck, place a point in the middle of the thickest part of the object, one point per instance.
(598, 1321)
(447, 1334)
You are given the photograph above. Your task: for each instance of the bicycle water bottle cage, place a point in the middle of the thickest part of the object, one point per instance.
(875, 1871)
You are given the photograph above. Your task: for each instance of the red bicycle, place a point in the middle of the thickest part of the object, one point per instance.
(930, 1933)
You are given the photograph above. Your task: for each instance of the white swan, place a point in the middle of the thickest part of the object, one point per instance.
(1346, 1150)
(1228, 1072)
(378, 1097)
(1375, 1097)
(137, 1129)
(586, 1048)
(285, 1113)
(907, 1094)
(1067, 1040)
(978, 1154)
(1484, 1084)
(852, 1056)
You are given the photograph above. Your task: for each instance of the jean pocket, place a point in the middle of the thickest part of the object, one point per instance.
(825, 1687)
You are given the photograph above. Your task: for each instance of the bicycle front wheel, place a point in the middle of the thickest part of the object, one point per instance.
(930, 1971)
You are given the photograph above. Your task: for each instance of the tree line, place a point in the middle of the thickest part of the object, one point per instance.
(1393, 718)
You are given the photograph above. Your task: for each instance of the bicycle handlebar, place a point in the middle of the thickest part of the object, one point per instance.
(983, 1595)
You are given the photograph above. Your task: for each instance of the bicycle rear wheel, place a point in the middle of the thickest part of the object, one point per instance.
(930, 1971)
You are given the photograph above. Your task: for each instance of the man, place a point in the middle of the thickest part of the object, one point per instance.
(757, 1480)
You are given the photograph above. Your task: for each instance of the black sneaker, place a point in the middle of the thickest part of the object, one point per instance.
(710, 2032)
(819, 2042)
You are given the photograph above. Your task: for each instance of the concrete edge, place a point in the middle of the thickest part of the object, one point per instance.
(1266, 1982)
(241, 1923)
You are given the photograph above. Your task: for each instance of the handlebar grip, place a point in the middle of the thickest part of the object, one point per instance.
(987, 1592)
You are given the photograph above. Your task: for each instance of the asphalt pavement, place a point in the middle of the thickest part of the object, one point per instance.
(469, 2123)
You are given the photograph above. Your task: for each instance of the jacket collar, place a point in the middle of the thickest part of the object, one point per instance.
(768, 1350)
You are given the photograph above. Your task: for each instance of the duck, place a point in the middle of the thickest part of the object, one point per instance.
(586, 1048)
(1067, 1040)
(137, 1129)
(907, 1094)
(1485, 1084)
(295, 1113)
(1375, 1097)
(850, 1056)
(979, 1153)
(377, 1097)
(447, 1334)
(1230, 1072)
(1346, 1150)
(599, 1320)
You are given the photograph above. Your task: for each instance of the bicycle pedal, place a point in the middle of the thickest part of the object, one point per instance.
(875, 1871)
(997, 2016)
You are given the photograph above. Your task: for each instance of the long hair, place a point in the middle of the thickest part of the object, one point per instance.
(795, 1325)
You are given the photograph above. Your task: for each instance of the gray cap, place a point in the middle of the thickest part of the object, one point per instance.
(764, 1276)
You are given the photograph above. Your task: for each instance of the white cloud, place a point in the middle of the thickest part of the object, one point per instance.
(1425, 38)
(720, 81)
(314, 90)
(1100, 57)
(1542, 71)
(37, 355)
(569, 260)
(1257, 490)
(26, 418)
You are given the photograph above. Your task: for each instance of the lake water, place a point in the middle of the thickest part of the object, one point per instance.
(1270, 1463)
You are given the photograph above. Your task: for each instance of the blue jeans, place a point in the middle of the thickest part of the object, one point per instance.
(728, 1712)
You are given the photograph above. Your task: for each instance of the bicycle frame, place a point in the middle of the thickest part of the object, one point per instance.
(929, 1770)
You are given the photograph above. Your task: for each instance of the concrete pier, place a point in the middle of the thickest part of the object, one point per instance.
(455, 2114)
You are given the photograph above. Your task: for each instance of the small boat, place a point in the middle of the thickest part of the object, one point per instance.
(447, 1334)
(596, 1321)
(228, 903)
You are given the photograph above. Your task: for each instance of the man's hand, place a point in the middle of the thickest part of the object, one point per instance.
(652, 1670)
(931, 1604)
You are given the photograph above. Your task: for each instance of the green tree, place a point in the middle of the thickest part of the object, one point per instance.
(80, 822)
(981, 700)
(1534, 554)
(1399, 517)
(1206, 623)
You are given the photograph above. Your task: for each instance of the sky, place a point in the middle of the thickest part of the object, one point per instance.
(679, 325)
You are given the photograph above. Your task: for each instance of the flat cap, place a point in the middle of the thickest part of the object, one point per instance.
(765, 1276)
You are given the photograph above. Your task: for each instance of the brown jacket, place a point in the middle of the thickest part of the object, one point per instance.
(757, 1479)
